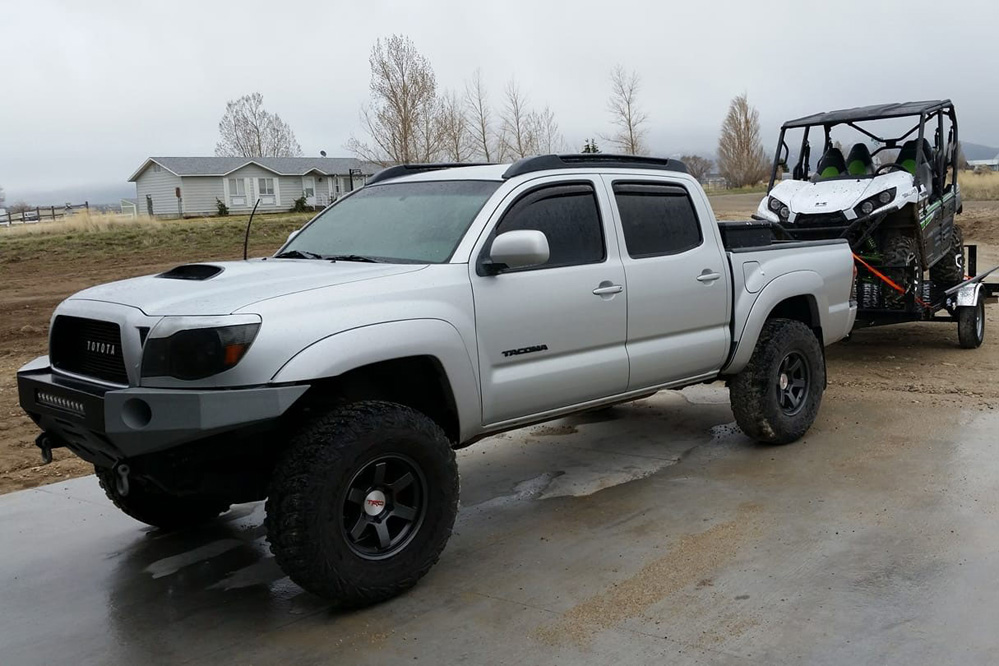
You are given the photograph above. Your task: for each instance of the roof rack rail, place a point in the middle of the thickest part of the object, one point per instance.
(408, 169)
(585, 160)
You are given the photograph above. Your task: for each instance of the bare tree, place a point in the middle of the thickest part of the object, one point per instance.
(20, 207)
(248, 130)
(741, 159)
(3, 196)
(487, 144)
(544, 133)
(518, 141)
(626, 115)
(402, 118)
(456, 129)
(697, 166)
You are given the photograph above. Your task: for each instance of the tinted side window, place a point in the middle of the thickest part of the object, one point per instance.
(568, 216)
(657, 219)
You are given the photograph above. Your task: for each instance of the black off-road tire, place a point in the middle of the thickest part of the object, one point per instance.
(971, 325)
(154, 507)
(309, 501)
(901, 252)
(949, 270)
(755, 392)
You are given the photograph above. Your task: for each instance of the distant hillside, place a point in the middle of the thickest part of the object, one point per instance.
(94, 194)
(975, 151)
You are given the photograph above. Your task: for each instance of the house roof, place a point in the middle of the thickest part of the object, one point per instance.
(872, 112)
(282, 166)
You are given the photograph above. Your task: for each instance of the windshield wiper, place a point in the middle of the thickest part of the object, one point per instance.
(352, 257)
(298, 254)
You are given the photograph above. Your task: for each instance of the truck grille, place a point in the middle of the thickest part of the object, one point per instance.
(88, 347)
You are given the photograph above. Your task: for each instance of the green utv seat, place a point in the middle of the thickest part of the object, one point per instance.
(859, 161)
(907, 158)
(831, 164)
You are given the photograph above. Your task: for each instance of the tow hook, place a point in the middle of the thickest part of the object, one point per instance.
(121, 471)
(44, 443)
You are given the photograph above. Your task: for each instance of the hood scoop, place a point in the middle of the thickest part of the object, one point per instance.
(197, 272)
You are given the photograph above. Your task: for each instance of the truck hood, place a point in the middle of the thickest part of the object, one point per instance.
(237, 285)
(831, 196)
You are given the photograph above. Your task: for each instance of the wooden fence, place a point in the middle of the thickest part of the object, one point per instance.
(41, 213)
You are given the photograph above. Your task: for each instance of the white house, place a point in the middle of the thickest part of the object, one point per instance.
(991, 165)
(178, 186)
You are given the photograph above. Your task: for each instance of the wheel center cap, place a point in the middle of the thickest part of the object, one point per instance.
(783, 381)
(374, 503)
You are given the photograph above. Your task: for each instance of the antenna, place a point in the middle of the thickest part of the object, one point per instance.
(323, 153)
(246, 237)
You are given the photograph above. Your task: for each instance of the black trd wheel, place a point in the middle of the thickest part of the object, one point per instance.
(776, 397)
(151, 506)
(899, 254)
(363, 502)
(949, 270)
(971, 325)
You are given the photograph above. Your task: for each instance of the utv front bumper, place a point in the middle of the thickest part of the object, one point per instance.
(106, 425)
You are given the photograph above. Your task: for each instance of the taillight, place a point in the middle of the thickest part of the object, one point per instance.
(853, 287)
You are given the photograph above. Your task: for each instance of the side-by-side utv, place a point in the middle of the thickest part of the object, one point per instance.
(894, 198)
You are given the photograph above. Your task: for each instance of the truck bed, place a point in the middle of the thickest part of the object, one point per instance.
(755, 235)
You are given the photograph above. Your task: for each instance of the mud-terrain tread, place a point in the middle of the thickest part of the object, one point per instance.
(157, 508)
(896, 252)
(946, 272)
(334, 441)
(751, 391)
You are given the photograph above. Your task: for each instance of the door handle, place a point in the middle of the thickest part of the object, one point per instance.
(607, 290)
(708, 276)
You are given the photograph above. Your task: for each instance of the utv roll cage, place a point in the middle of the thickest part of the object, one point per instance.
(945, 156)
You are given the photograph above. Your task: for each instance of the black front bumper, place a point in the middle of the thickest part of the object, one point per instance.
(106, 425)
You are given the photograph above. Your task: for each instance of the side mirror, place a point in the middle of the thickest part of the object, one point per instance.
(518, 249)
(292, 235)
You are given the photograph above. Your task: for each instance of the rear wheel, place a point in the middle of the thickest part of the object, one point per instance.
(776, 397)
(949, 270)
(971, 325)
(153, 507)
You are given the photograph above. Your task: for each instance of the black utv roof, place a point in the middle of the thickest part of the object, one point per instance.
(873, 112)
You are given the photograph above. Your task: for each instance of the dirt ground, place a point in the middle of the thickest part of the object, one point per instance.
(916, 364)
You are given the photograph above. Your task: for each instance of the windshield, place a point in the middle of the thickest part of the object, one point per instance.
(419, 222)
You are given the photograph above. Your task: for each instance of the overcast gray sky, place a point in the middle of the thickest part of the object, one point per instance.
(88, 89)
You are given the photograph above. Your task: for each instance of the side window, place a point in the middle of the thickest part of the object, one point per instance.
(568, 215)
(657, 219)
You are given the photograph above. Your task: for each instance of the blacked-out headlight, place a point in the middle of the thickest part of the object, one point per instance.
(871, 204)
(196, 353)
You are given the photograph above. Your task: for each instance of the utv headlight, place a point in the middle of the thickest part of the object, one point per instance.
(195, 352)
(777, 206)
(871, 204)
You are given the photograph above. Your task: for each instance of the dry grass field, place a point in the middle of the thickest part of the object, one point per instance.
(979, 186)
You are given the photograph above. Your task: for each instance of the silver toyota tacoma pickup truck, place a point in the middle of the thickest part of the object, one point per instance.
(437, 305)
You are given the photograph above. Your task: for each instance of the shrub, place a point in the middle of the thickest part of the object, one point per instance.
(223, 209)
(300, 204)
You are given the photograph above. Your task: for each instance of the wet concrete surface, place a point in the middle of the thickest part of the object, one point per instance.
(650, 532)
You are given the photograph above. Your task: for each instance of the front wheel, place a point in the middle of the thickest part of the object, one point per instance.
(776, 397)
(363, 503)
(154, 507)
(971, 325)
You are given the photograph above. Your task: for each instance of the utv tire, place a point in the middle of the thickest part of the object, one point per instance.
(363, 502)
(776, 397)
(159, 509)
(949, 270)
(899, 253)
(971, 325)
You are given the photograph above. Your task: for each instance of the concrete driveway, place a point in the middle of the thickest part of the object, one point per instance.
(651, 532)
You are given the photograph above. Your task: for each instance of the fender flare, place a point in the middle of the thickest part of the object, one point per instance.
(354, 348)
(797, 283)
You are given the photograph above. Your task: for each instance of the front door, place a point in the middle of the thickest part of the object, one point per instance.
(678, 285)
(309, 190)
(553, 335)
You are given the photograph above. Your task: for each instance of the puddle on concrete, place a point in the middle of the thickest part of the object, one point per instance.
(173, 564)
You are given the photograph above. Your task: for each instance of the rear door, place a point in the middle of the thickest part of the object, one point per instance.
(553, 335)
(678, 285)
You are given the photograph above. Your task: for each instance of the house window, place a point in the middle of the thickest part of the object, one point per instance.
(236, 187)
(266, 186)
